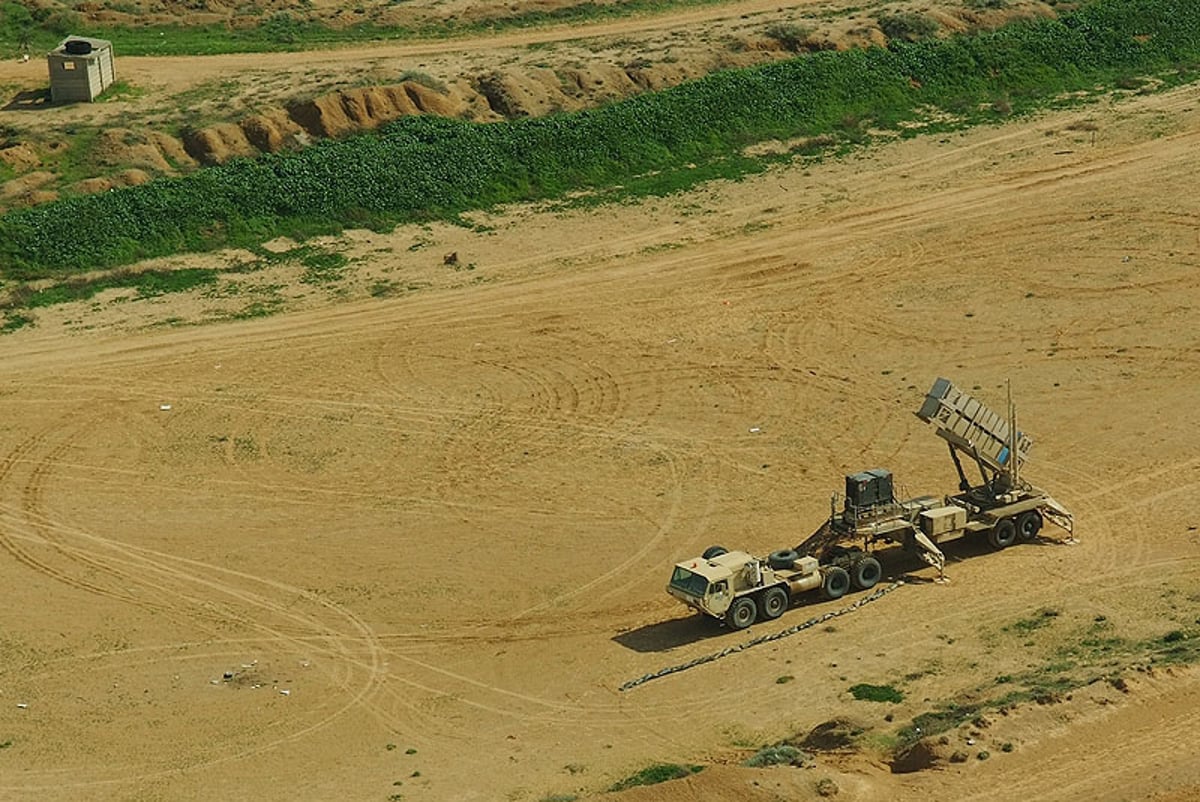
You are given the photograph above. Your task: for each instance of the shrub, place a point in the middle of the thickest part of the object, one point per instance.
(657, 773)
(876, 693)
(908, 26)
(778, 754)
(791, 36)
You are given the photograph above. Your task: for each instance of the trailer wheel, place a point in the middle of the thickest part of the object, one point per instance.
(714, 551)
(1003, 534)
(741, 613)
(867, 573)
(836, 583)
(784, 558)
(773, 602)
(1029, 524)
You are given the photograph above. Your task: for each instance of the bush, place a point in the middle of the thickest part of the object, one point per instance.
(908, 26)
(791, 36)
(876, 693)
(657, 773)
(779, 754)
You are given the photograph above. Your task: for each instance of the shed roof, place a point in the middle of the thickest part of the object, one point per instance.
(97, 44)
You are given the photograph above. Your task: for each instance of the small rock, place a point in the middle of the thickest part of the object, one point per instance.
(958, 757)
(827, 787)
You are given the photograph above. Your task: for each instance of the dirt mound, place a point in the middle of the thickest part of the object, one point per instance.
(20, 157)
(116, 147)
(273, 130)
(19, 189)
(351, 110)
(172, 149)
(834, 735)
(926, 753)
(218, 144)
(126, 178)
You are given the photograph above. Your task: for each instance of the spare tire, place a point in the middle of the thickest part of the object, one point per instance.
(714, 551)
(78, 47)
(784, 558)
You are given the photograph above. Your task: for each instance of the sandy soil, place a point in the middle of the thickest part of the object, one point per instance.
(414, 544)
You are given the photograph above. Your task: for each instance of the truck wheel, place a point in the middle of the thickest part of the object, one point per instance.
(1003, 534)
(836, 583)
(714, 551)
(1029, 524)
(784, 558)
(741, 613)
(773, 602)
(867, 573)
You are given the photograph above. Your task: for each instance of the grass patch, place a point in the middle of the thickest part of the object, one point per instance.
(120, 90)
(876, 693)
(321, 267)
(13, 321)
(657, 773)
(649, 144)
(148, 284)
(1034, 622)
(1088, 660)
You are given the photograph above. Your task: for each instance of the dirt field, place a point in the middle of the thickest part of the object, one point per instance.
(410, 547)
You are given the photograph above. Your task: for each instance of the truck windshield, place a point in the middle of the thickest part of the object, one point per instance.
(689, 582)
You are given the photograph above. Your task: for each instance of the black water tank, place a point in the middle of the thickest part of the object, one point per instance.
(78, 47)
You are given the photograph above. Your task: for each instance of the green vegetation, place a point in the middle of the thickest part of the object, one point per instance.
(876, 693)
(320, 267)
(657, 773)
(1034, 622)
(776, 755)
(13, 321)
(148, 283)
(907, 25)
(121, 90)
(790, 36)
(422, 168)
(1089, 659)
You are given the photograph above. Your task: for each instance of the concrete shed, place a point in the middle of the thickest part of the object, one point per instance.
(80, 69)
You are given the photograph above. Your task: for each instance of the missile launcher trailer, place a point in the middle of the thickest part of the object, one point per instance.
(739, 588)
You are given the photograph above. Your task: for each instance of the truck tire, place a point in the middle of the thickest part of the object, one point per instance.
(784, 558)
(836, 582)
(714, 551)
(741, 613)
(1029, 524)
(773, 603)
(867, 573)
(1003, 534)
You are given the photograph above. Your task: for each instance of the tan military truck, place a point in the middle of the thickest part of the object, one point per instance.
(738, 588)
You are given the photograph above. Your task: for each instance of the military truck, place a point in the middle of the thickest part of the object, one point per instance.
(740, 588)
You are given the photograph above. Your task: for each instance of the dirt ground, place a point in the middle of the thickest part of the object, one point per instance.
(410, 546)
